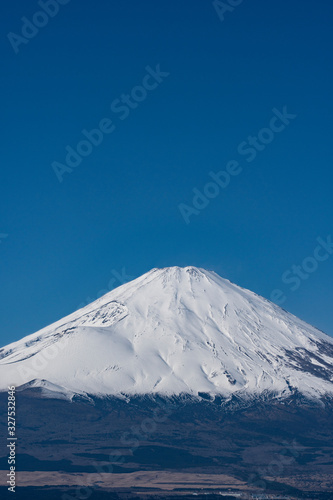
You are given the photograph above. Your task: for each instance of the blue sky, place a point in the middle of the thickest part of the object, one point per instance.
(117, 212)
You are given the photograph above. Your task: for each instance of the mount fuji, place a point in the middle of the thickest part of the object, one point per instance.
(174, 331)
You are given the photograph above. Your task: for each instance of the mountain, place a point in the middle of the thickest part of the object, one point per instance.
(175, 331)
(177, 382)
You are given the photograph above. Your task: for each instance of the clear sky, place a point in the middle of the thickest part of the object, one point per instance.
(205, 111)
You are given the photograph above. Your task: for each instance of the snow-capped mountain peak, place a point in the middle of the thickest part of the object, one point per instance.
(171, 331)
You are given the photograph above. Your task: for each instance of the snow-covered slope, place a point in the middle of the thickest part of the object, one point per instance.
(171, 331)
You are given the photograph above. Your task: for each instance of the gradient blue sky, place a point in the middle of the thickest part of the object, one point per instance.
(119, 208)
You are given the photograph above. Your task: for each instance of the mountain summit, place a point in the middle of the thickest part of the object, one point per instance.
(174, 331)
